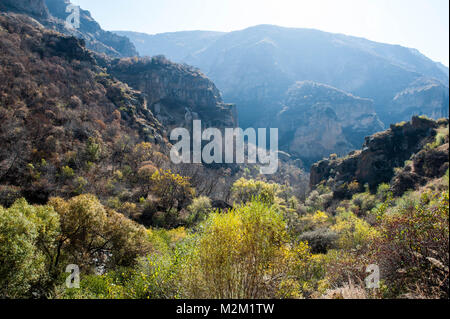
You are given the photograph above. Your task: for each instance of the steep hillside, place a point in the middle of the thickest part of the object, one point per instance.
(255, 67)
(177, 94)
(62, 116)
(413, 152)
(34, 8)
(69, 126)
(318, 120)
(52, 14)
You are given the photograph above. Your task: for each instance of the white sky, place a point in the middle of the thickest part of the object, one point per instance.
(420, 24)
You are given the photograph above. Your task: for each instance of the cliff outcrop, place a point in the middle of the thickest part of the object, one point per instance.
(384, 153)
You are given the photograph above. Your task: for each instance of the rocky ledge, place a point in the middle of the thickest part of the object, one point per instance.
(383, 152)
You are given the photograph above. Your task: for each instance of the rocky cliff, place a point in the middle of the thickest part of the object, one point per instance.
(52, 14)
(424, 97)
(254, 68)
(318, 120)
(34, 8)
(61, 112)
(383, 152)
(177, 94)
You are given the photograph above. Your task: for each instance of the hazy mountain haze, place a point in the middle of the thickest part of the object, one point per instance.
(412, 23)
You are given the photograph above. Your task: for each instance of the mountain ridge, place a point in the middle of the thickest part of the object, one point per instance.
(217, 34)
(255, 67)
(52, 14)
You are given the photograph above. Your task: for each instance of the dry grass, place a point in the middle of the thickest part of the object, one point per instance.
(348, 291)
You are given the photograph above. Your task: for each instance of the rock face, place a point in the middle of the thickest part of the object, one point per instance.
(381, 154)
(177, 94)
(52, 14)
(423, 98)
(34, 8)
(62, 103)
(96, 38)
(318, 120)
(254, 68)
(425, 165)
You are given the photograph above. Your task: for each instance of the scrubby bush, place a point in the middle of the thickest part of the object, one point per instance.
(354, 233)
(320, 240)
(363, 203)
(172, 190)
(199, 210)
(244, 191)
(318, 199)
(9, 195)
(92, 235)
(27, 233)
(413, 250)
(244, 253)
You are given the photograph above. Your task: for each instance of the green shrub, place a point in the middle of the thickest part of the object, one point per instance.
(26, 236)
(244, 253)
(413, 248)
(320, 240)
(199, 210)
(244, 191)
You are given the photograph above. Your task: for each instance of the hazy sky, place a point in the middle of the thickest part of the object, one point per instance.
(420, 24)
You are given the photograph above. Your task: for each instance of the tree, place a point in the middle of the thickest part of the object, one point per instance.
(244, 253)
(26, 234)
(243, 191)
(94, 236)
(199, 209)
(173, 190)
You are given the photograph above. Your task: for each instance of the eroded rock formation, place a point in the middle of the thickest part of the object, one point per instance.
(385, 151)
(318, 120)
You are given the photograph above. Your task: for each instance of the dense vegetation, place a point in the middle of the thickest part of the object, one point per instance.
(245, 252)
(85, 180)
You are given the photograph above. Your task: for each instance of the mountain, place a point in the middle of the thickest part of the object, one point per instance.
(60, 111)
(72, 118)
(408, 154)
(318, 120)
(255, 67)
(180, 45)
(34, 8)
(177, 94)
(52, 14)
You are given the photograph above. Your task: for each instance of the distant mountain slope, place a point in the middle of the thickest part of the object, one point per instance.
(255, 67)
(177, 94)
(318, 120)
(180, 45)
(52, 14)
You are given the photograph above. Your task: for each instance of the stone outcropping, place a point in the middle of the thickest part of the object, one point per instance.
(52, 14)
(381, 154)
(35, 8)
(423, 98)
(176, 94)
(254, 67)
(318, 120)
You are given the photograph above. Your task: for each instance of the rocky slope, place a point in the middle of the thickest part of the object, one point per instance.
(424, 97)
(62, 117)
(52, 14)
(254, 68)
(385, 153)
(177, 94)
(34, 8)
(69, 125)
(318, 120)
